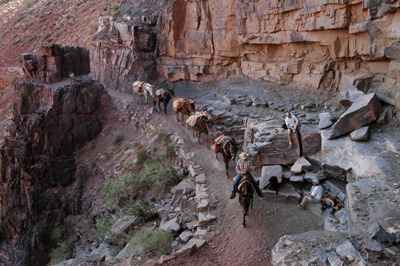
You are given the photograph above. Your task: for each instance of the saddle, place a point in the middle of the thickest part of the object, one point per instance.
(244, 180)
(223, 140)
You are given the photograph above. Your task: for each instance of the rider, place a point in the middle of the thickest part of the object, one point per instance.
(244, 166)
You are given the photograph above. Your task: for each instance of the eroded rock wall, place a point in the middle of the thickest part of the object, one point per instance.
(37, 164)
(326, 44)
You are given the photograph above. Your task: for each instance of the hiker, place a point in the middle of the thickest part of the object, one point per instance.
(244, 166)
(314, 196)
(291, 124)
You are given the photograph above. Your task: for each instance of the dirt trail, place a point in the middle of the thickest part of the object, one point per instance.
(228, 242)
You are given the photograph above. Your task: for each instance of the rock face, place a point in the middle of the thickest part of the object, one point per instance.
(37, 164)
(122, 53)
(55, 62)
(327, 44)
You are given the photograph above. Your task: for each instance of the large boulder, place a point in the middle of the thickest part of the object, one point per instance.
(365, 110)
(310, 140)
(267, 172)
(348, 95)
(301, 165)
(325, 120)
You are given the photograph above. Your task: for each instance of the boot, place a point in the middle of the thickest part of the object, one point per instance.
(233, 195)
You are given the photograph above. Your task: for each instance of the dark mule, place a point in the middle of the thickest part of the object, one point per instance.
(164, 96)
(225, 145)
(203, 126)
(246, 192)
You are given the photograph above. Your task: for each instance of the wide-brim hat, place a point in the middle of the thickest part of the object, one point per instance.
(244, 155)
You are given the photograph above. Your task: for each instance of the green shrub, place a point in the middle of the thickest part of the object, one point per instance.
(137, 145)
(29, 4)
(64, 251)
(78, 151)
(153, 240)
(18, 58)
(80, 178)
(141, 156)
(14, 42)
(117, 139)
(94, 27)
(31, 38)
(84, 90)
(112, 190)
(142, 211)
(102, 227)
(68, 16)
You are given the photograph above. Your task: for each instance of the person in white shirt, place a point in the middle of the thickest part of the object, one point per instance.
(291, 124)
(314, 196)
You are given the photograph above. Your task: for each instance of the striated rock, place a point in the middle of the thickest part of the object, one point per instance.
(360, 134)
(311, 140)
(366, 110)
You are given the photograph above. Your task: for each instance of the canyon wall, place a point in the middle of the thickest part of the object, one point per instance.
(322, 43)
(37, 164)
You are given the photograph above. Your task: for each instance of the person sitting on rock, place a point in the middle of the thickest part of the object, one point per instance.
(314, 196)
(291, 124)
(244, 166)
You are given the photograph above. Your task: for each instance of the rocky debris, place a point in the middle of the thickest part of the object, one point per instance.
(347, 250)
(349, 95)
(325, 120)
(122, 225)
(200, 179)
(300, 166)
(185, 187)
(128, 251)
(190, 247)
(361, 134)
(267, 172)
(310, 177)
(186, 235)
(365, 110)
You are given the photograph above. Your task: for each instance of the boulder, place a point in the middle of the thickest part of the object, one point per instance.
(383, 118)
(269, 171)
(300, 166)
(325, 120)
(374, 247)
(203, 205)
(128, 251)
(310, 140)
(334, 259)
(360, 134)
(190, 247)
(186, 235)
(185, 187)
(365, 110)
(346, 249)
(376, 231)
(310, 177)
(200, 179)
(122, 225)
(297, 178)
(171, 225)
(286, 193)
(348, 95)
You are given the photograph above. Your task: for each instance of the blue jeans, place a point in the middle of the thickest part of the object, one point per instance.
(239, 178)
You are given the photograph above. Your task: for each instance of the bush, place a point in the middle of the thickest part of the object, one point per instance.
(141, 156)
(142, 211)
(153, 240)
(84, 91)
(78, 151)
(117, 139)
(80, 178)
(102, 227)
(64, 251)
(112, 190)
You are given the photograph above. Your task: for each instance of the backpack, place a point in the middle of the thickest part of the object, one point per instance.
(273, 183)
(332, 204)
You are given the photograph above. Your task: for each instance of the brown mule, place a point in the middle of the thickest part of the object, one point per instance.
(225, 145)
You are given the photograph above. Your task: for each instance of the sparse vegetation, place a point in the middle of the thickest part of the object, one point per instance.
(84, 91)
(102, 227)
(80, 178)
(78, 151)
(65, 247)
(117, 139)
(153, 240)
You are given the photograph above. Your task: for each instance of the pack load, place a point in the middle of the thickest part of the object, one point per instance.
(332, 204)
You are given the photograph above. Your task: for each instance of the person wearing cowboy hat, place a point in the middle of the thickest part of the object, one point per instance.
(314, 196)
(244, 166)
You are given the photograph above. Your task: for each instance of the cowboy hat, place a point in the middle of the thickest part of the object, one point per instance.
(243, 155)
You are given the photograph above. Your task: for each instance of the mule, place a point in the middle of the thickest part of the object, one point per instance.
(142, 88)
(246, 193)
(163, 96)
(201, 122)
(183, 106)
(226, 146)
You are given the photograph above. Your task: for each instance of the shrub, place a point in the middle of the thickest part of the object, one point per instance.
(80, 178)
(142, 211)
(137, 145)
(78, 151)
(68, 16)
(64, 251)
(94, 27)
(117, 139)
(141, 156)
(84, 91)
(18, 58)
(31, 38)
(29, 4)
(153, 240)
(102, 227)
(14, 42)
(112, 190)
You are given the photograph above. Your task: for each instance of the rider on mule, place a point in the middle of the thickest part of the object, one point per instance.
(244, 166)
